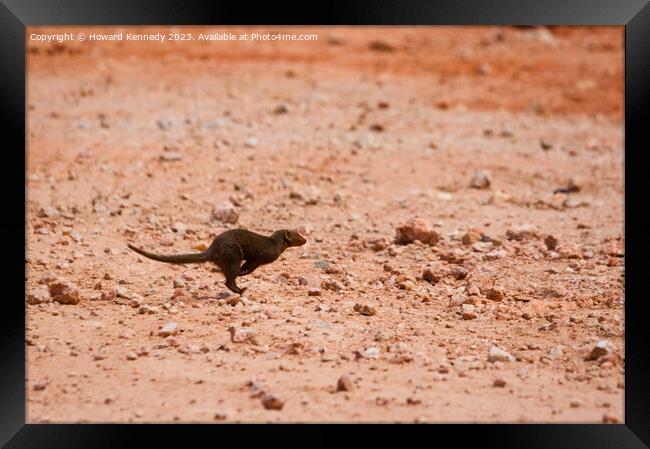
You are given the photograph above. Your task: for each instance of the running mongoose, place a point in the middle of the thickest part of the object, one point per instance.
(230, 248)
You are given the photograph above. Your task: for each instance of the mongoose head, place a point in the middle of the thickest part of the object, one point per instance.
(290, 237)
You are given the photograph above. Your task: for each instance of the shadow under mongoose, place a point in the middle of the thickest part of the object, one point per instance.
(230, 248)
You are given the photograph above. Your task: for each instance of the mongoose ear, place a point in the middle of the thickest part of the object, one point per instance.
(287, 236)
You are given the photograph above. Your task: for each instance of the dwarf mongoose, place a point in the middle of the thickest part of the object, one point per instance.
(230, 248)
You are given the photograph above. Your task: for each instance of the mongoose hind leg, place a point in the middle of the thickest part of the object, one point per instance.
(229, 259)
(230, 270)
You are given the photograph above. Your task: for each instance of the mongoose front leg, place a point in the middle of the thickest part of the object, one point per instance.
(248, 267)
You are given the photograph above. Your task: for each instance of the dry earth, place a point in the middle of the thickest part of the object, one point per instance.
(347, 139)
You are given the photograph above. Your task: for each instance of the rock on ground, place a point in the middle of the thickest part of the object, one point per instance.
(168, 329)
(497, 354)
(271, 402)
(225, 213)
(481, 180)
(344, 384)
(65, 292)
(38, 295)
(601, 348)
(416, 229)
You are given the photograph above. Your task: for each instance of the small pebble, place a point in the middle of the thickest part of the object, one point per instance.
(225, 213)
(344, 384)
(601, 348)
(64, 292)
(495, 294)
(271, 402)
(365, 310)
(469, 312)
(171, 156)
(497, 354)
(481, 180)
(168, 329)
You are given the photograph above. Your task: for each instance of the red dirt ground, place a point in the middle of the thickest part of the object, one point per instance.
(372, 135)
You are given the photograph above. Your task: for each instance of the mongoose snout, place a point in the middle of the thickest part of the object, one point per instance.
(293, 238)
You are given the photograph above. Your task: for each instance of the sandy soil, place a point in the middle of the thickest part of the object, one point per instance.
(345, 139)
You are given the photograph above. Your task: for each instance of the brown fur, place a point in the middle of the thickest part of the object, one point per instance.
(229, 249)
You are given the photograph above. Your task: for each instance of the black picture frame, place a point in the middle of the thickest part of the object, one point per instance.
(15, 15)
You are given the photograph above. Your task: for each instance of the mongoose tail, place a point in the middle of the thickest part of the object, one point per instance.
(178, 258)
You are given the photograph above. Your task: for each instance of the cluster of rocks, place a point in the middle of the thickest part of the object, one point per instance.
(417, 230)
